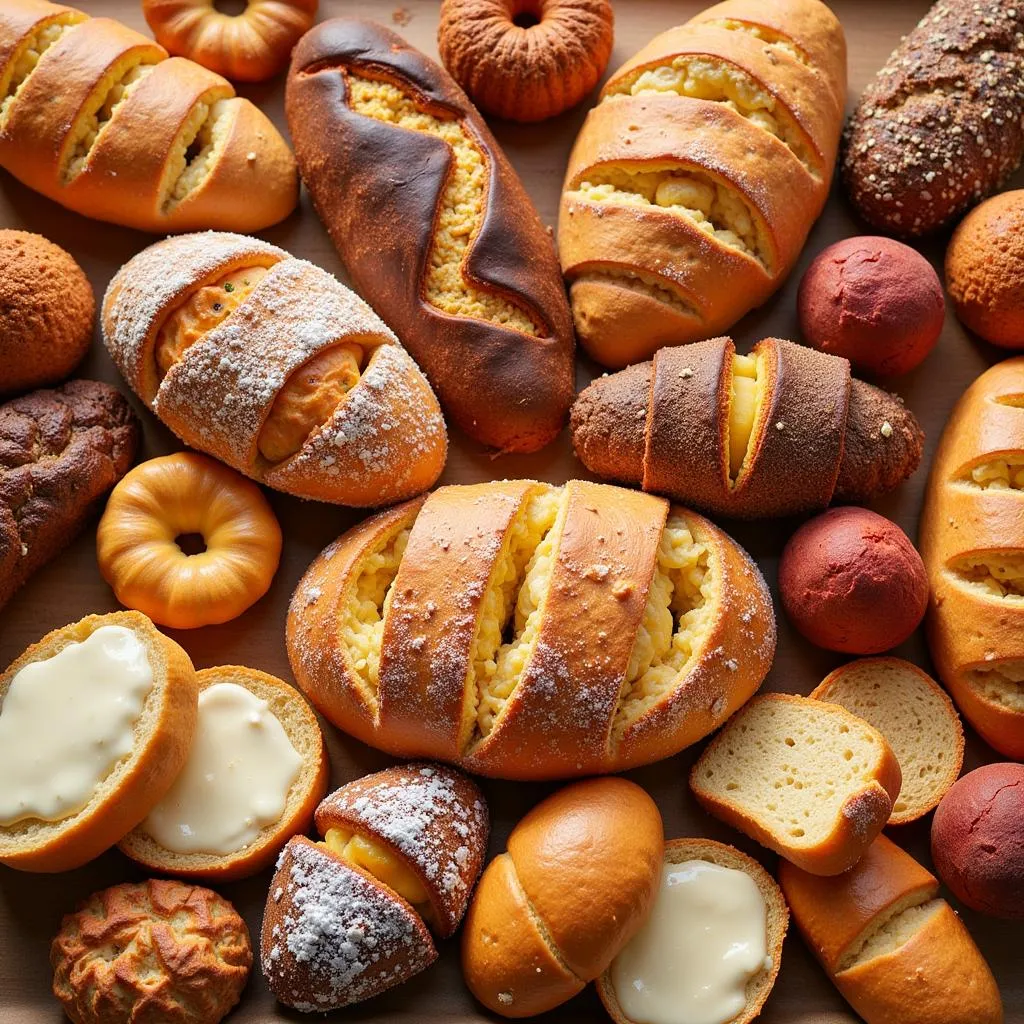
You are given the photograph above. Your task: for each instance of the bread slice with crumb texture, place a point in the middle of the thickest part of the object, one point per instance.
(807, 779)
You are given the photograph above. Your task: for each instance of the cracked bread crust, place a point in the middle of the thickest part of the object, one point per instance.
(61, 450)
(503, 387)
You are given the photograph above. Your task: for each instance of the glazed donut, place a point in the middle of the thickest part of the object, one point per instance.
(149, 515)
(525, 60)
(247, 47)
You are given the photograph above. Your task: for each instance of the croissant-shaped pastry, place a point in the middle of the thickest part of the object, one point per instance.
(783, 430)
(269, 364)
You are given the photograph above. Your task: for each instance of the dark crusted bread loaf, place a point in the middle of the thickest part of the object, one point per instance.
(784, 430)
(939, 128)
(60, 451)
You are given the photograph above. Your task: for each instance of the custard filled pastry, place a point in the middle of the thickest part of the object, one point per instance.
(268, 363)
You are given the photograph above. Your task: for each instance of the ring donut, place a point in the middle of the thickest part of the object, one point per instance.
(149, 515)
(247, 47)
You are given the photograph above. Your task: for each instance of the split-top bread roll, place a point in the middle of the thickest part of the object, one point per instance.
(695, 180)
(97, 117)
(527, 631)
(271, 365)
(96, 720)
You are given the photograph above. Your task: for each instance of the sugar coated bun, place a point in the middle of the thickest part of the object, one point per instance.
(978, 840)
(874, 301)
(985, 270)
(851, 581)
(46, 312)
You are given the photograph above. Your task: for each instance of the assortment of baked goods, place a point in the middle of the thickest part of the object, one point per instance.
(159, 510)
(695, 180)
(96, 117)
(453, 257)
(151, 951)
(527, 631)
(250, 46)
(783, 430)
(347, 917)
(939, 127)
(271, 365)
(526, 61)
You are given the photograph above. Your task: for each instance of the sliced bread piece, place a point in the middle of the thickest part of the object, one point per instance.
(257, 747)
(917, 719)
(807, 779)
(894, 950)
(679, 851)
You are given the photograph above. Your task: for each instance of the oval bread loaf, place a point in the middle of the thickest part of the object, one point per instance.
(97, 117)
(529, 631)
(271, 365)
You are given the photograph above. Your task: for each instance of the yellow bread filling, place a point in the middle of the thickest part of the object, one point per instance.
(707, 78)
(462, 205)
(1000, 474)
(713, 207)
(744, 406)
(675, 623)
(379, 861)
(1000, 682)
(774, 39)
(32, 50)
(998, 575)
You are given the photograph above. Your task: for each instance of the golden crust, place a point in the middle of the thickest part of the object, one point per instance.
(154, 950)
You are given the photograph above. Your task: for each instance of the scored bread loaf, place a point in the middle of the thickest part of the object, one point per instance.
(896, 952)
(98, 118)
(972, 537)
(783, 430)
(695, 180)
(807, 779)
(438, 232)
(271, 365)
(917, 720)
(530, 631)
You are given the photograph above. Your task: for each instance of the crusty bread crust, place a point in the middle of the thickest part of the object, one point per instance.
(163, 734)
(677, 851)
(309, 787)
(969, 629)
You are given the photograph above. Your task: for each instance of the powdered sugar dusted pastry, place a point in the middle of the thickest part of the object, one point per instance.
(271, 365)
(345, 917)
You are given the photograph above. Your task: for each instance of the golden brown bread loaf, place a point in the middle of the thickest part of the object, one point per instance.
(439, 235)
(96, 117)
(60, 452)
(783, 430)
(271, 365)
(695, 180)
(939, 126)
(971, 536)
(896, 952)
(529, 631)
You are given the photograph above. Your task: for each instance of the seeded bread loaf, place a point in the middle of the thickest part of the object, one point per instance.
(98, 118)
(807, 779)
(695, 180)
(939, 127)
(435, 229)
(527, 631)
(783, 430)
(60, 452)
(971, 537)
(271, 365)
(897, 953)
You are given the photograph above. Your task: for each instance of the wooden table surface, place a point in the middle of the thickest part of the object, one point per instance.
(70, 587)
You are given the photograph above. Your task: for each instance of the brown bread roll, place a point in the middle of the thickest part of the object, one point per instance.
(435, 229)
(60, 452)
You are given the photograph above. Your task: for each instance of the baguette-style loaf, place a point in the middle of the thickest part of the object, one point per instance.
(271, 365)
(896, 952)
(60, 452)
(527, 631)
(783, 430)
(97, 117)
(972, 543)
(435, 229)
(939, 127)
(695, 180)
